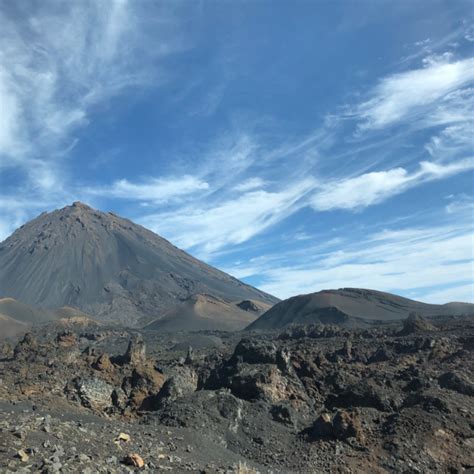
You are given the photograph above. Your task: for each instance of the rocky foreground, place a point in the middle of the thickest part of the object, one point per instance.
(308, 399)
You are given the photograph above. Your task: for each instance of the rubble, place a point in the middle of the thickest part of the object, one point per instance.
(308, 399)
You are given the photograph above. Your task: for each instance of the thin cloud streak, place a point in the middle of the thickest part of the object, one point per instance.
(156, 190)
(398, 261)
(230, 222)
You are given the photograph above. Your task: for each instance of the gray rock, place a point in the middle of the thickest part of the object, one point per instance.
(94, 393)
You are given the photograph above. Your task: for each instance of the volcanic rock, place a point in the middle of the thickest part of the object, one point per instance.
(415, 323)
(103, 363)
(66, 339)
(457, 382)
(94, 393)
(26, 348)
(136, 351)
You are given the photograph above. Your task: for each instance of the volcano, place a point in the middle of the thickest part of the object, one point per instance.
(108, 267)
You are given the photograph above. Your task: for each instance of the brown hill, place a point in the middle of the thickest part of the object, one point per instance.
(107, 267)
(207, 312)
(351, 307)
(10, 327)
(24, 313)
(16, 317)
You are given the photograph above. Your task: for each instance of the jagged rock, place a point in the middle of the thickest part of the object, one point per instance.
(457, 382)
(322, 427)
(119, 399)
(264, 382)
(427, 402)
(70, 357)
(416, 384)
(362, 394)
(6, 350)
(134, 460)
(136, 351)
(341, 426)
(248, 305)
(103, 363)
(347, 349)
(189, 356)
(380, 355)
(347, 425)
(283, 361)
(415, 323)
(283, 414)
(26, 347)
(146, 376)
(66, 339)
(145, 382)
(255, 352)
(94, 393)
(180, 384)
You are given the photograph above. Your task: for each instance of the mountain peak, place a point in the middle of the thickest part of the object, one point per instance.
(108, 267)
(81, 205)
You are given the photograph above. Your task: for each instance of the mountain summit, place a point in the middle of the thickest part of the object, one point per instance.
(107, 267)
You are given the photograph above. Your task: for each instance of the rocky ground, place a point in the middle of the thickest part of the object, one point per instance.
(308, 399)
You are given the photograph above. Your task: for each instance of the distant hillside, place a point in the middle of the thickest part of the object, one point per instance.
(23, 312)
(17, 317)
(351, 307)
(10, 327)
(107, 267)
(209, 312)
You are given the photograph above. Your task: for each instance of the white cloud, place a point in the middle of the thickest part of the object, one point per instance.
(405, 261)
(406, 94)
(461, 204)
(58, 63)
(373, 188)
(210, 228)
(158, 190)
(250, 184)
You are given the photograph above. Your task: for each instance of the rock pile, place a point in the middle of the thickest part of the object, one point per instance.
(379, 398)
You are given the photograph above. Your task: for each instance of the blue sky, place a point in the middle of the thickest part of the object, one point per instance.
(298, 145)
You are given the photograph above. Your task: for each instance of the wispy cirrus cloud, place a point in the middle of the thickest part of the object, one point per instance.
(250, 184)
(244, 193)
(226, 191)
(155, 190)
(229, 222)
(59, 62)
(372, 188)
(406, 95)
(412, 261)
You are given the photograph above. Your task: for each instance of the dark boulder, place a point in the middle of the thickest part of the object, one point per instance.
(415, 323)
(26, 348)
(342, 426)
(255, 352)
(457, 382)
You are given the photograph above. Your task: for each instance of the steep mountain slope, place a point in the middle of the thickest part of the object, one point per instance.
(351, 307)
(106, 266)
(207, 312)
